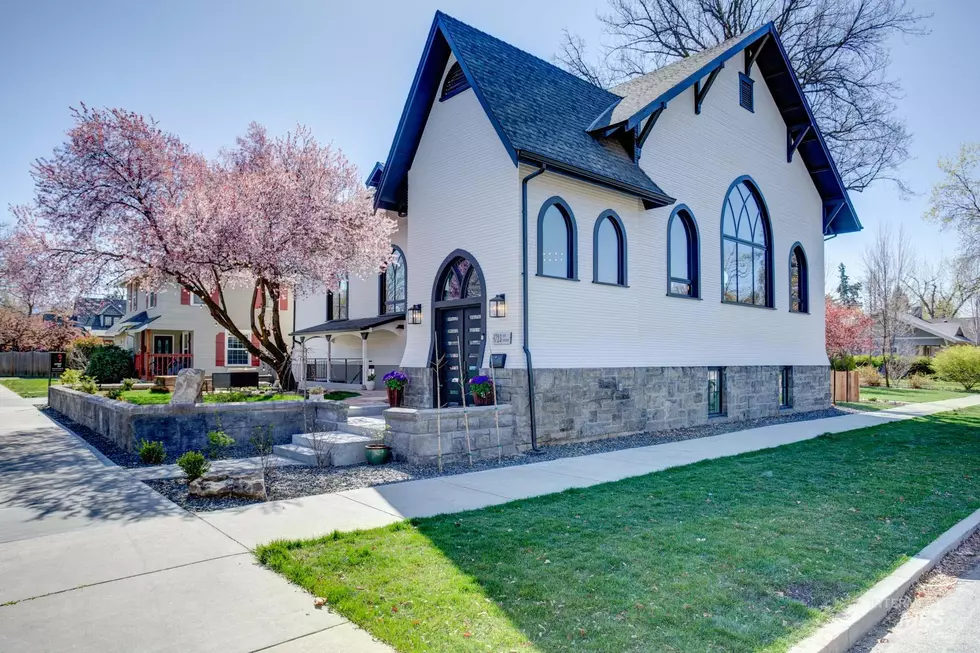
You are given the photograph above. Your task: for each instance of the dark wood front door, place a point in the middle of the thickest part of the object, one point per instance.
(163, 344)
(460, 337)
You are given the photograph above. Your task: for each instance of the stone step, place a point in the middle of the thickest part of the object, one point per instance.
(341, 449)
(366, 410)
(369, 426)
(296, 452)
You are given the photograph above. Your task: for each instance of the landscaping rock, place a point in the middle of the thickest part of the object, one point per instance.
(189, 388)
(247, 486)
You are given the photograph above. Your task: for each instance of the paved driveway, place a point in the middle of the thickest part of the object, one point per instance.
(93, 560)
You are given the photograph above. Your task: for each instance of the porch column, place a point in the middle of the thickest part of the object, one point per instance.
(364, 358)
(329, 358)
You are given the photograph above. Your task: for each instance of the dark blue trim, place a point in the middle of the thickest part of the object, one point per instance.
(745, 79)
(701, 92)
(804, 279)
(374, 178)
(793, 141)
(770, 239)
(383, 280)
(650, 201)
(572, 236)
(622, 254)
(694, 251)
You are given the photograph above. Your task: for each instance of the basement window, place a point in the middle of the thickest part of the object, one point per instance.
(746, 98)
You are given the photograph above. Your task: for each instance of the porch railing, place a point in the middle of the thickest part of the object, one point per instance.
(334, 370)
(151, 365)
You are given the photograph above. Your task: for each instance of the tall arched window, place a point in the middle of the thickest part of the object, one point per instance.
(609, 250)
(683, 254)
(392, 284)
(746, 247)
(799, 299)
(557, 239)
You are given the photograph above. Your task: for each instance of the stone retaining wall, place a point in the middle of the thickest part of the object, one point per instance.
(413, 434)
(182, 428)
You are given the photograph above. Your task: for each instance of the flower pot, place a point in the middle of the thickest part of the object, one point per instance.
(369, 385)
(485, 400)
(377, 454)
(394, 397)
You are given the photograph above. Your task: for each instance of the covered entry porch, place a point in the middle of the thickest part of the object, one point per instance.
(346, 353)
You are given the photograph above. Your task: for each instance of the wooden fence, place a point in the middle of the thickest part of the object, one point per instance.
(24, 363)
(845, 386)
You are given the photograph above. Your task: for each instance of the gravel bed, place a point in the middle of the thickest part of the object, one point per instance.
(294, 482)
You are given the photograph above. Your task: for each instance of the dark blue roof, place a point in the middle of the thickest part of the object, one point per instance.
(540, 112)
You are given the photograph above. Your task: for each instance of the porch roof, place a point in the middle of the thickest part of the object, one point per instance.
(360, 324)
(134, 324)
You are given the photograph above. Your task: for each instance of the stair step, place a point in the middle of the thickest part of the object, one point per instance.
(366, 410)
(369, 426)
(296, 452)
(336, 449)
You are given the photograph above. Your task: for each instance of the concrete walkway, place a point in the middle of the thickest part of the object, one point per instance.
(93, 560)
(371, 507)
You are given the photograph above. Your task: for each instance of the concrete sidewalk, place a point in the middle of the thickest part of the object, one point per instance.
(91, 559)
(371, 507)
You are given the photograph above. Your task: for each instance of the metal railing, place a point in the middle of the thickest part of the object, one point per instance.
(334, 370)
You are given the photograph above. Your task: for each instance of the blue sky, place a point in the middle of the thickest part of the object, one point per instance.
(206, 69)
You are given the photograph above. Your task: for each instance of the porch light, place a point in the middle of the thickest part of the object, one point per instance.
(498, 306)
(415, 314)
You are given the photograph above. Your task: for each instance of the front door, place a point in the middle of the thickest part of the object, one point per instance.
(460, 333)
(163, 344)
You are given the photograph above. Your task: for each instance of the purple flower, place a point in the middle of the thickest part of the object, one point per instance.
(395, 379)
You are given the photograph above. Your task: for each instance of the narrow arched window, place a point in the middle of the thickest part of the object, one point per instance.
(683, 255)
(392, 284)
(609, 250)
(556, 240)
(454, 83)
(799, 301)
(746, 247)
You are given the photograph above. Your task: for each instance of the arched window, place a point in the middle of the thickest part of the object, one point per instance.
(799, 296)
(393, 284)
(746, 247)
(683, 254)
(557, 237)
(459, 281)
(609, 250)
(454, 83)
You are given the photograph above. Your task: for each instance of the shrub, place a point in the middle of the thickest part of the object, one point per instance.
(919, 381)
(218, 442)
(160, 390)
(128, 384)
(151, 453)
(80, 350)
(115, 393)
(959, 364)
(194, 464)
(71, 377)
(233, 397)
(845, 363)
(922, 366)
(869, 376)
(110, 364)
(866, 360)
(87, 385)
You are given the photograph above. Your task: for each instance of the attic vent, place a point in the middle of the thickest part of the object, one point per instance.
(745, 98)
(455, 82)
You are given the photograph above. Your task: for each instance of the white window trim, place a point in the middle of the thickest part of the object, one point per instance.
(196, 301)
(228, 363)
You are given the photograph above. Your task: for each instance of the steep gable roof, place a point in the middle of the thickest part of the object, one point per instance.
(539, 111)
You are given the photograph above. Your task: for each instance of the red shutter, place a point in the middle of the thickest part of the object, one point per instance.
(219, 350)
(185, 296)
(255, 359)
(259, 299)
(284, 300)
(215, 296)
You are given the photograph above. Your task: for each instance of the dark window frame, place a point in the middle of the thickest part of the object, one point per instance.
(803, 279)
(397, 305)
(766, 222)
(719, 391)
(621, 250)
(746, 88)
(454, 83)
(686, 216)
(786, 387)
(338, 304)
(571, 229)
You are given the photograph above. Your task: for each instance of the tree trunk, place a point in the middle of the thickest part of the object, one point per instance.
(287, 381)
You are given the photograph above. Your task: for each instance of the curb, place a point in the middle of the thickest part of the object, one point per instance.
(846, 629)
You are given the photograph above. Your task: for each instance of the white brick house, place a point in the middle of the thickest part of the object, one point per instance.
(657, 249)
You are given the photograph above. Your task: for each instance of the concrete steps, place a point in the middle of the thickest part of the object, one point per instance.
(337, 449)
(373, 427)
(367, 410)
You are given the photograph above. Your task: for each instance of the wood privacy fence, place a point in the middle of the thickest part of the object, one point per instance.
(845, 386)
(24, 363)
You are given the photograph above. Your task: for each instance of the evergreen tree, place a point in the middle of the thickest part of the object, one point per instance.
(849, 293)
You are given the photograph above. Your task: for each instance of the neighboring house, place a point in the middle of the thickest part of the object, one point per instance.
(930, 336)
(632, 259)
(97, 315)
(171, 329)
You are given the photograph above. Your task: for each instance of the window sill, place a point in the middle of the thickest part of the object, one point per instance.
(800, 312)
(717, 415)
(614, 285)
(785, 408)
(766, 308)
(678, 296)
(549, 276)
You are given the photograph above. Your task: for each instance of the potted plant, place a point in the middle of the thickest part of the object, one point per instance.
(395, 382)
(369, 384)
(379, 453)
(316, 393)
(482, 389)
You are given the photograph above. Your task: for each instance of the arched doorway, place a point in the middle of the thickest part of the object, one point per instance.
(459, 321)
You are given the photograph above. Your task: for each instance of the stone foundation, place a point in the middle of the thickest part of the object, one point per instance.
(413, 434)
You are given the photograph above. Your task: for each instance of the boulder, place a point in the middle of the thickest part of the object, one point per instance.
(189, 388)
(247, 486)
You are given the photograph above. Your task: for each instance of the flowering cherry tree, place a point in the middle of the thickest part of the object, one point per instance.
(848, 329)
(122, 199)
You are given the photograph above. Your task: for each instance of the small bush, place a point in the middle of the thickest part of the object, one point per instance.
(866, 360)
(922, 366)
(218, 442)
(959, 364)
(110, 364)
(128, 384)
(919, 381)
(88, 385)
(151, 453)
(194, 464)
(843, 363)
(115, 393)
(160, 390)
(869, 376)
(232, 397)
(70, 377)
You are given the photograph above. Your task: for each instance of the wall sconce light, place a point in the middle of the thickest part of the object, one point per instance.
(498, 306)
(415, 314)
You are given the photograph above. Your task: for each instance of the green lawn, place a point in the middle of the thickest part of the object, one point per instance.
(145, 397)
(736, 554)
(879, 398)
(27, 387)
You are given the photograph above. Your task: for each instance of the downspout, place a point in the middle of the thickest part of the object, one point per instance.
(524, 300)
